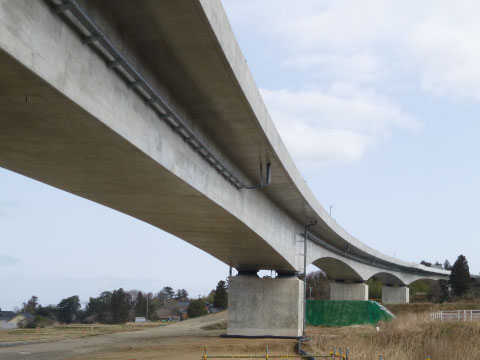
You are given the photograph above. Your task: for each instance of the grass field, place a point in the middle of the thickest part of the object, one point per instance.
(412, 336)
(69, 331)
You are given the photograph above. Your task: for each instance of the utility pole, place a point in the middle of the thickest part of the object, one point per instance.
(331, 207)
(146, 318)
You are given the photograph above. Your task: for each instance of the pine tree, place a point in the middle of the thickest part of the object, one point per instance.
(182, 295)
(220, 300)
(460, 276)
(67, 309)
(141, 305)
(166, 293)
(447, 265)
(120, 305)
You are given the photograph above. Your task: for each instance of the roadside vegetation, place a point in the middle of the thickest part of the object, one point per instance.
(411, 336)
(119, 307)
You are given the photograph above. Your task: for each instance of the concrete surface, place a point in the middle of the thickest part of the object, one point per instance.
(395, 295)
(338, 266)
(348, 291)
(69, 121)
(264, 306)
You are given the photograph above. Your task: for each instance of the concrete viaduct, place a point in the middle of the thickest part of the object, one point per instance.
(148, 107)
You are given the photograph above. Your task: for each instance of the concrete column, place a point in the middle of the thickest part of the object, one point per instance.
(395, 295)
(265, 307)
(348, 291)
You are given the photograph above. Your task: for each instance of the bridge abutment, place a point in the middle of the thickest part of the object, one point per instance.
(348, 291)
(264, 306)
(395, 295)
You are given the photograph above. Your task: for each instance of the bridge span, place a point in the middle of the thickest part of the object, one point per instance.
(148, 107)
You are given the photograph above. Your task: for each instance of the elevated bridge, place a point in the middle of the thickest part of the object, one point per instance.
(148, 107)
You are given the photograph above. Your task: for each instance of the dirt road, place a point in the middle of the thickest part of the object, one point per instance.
(184, 340)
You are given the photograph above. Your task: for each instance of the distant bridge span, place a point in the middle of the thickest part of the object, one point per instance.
(148, 107)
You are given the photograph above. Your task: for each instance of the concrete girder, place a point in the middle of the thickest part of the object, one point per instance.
(340, 267)
(84, 131)
(68, 120)
(425, 279)
(190, 45)
(337, 269)
(388, 278)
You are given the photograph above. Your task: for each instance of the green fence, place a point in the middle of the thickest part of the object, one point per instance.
(345, 312)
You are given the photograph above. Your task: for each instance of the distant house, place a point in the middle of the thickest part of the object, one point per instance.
(183, 305)
(214, 310)
(175, 310)
(167, 313)
(22, 319)
(11, 320)
(182, 309)
(140, 319)
(5, 316)
(211, 309)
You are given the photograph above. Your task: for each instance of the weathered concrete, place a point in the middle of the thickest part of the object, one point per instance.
(69, 121)
(348, 291)
(395, 295)
(263, 307)
(339, 266)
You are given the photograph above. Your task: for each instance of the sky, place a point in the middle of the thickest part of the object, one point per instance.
(377, 102)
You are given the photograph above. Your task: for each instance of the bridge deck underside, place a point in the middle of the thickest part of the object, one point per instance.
(107, 150)
(47, 137)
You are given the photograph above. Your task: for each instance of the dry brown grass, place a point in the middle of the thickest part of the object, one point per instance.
(429, 307)
(412, 336)
(58, 332)
(222, 325)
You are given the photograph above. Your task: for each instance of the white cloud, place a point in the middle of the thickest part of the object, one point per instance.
(445, 50)
(360, 67)
(366, 57)
(432, 43)
(334, 126)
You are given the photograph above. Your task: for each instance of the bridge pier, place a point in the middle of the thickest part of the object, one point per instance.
(264, 306)
(348, 291)
(395, 295)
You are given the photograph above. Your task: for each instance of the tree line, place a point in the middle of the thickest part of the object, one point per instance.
(120, 306)
(460, 283)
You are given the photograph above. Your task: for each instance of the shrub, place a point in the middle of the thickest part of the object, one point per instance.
(197, 308)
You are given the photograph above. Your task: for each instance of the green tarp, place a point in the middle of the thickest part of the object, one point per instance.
(345, 312)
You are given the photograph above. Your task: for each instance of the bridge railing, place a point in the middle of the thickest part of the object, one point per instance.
(455, 315)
